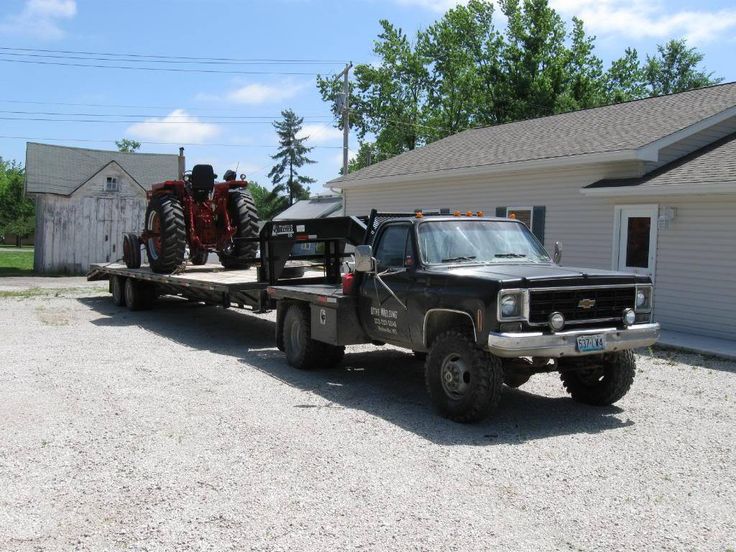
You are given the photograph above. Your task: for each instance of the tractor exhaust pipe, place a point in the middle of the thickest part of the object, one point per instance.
(182, 164)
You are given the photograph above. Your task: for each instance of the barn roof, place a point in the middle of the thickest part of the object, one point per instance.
(60, 170)
(614, 132)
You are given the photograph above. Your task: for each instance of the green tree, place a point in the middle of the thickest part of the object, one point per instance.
(625, 78)
(126, 145)
(291, 156)
(368, 154)
(675, 68)
(268, 202)
(17, 212)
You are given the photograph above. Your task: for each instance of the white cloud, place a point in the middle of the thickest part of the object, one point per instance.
(40, 18)
(320, 133)
(177, 126)
(259, 93)
(648, 19)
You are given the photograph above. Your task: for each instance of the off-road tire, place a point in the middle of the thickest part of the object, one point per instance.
(243, 213)
(172, 235)
(199, 257)
(484, 378)
(301, 350)
(139, 295)
(615, 377)
(117, 288)
(131, 250)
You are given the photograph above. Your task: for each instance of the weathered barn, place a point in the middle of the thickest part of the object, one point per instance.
(86, 199)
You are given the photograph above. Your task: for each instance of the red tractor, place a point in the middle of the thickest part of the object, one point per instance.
(198, 214)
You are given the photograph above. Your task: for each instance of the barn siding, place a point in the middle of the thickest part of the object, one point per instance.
(696, 256)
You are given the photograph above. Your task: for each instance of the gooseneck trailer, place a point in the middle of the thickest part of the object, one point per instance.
(477, 297)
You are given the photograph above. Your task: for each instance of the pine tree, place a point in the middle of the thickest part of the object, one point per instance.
(291, 157)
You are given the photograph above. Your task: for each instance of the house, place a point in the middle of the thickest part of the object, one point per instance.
(647, 186)
(86, 199)
(314, 207)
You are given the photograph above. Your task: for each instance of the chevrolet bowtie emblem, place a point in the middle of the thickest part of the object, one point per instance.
(586, 304)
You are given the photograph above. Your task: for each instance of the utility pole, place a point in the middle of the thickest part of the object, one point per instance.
(345, 115)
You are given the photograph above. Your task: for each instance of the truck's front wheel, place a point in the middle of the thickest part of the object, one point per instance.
(599, 380)
(301, 350)
(463, 381)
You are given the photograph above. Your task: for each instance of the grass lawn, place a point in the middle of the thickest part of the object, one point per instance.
(16, 261)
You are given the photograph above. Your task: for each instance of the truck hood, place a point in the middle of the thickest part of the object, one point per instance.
(534, 275)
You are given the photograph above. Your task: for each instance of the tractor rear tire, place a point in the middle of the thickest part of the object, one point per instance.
(165, 217)
(243, 213)
(131, 250)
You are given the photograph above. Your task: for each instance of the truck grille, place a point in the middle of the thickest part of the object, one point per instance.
(579, 306)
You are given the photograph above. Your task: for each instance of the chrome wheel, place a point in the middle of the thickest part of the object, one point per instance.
(455, 376)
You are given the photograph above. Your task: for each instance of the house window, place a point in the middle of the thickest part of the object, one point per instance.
(523, 214)
(112, 184)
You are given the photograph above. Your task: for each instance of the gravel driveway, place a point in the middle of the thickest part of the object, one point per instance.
(183, 428)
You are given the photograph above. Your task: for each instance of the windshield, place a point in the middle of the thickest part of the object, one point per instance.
(478, 241)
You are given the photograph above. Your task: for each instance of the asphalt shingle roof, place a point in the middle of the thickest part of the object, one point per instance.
(61, 169)
(713, 164)
(626, 126)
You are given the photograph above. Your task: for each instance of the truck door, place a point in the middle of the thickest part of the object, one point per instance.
(383, 312)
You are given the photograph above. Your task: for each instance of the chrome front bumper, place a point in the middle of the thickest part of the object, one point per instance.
(537, 344)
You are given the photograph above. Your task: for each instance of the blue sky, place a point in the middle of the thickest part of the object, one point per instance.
(202, 109)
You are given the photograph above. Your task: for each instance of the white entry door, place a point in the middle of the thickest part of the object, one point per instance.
(637, 238)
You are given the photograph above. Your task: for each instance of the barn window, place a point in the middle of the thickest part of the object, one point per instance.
(112, 184)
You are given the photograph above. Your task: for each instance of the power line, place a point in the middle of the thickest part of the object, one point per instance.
(134, 121)
(201, 144)
(169, 69)
(191, 58)
(245, 118)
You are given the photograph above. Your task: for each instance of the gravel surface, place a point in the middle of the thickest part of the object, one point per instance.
(183, 428)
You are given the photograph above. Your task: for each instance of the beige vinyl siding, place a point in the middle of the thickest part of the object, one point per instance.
(583, 224)
(695, 286)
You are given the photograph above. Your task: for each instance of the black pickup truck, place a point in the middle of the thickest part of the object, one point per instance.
(478, 298)
(483, 302)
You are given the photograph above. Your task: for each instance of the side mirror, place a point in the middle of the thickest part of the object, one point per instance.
(557, 256)
(364, 259)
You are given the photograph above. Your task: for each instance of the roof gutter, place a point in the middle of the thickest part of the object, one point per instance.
(486, 170)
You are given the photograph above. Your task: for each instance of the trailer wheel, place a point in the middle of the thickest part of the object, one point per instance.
(117, 288)
(463, 380)
(139, 295)
(301, 350)
(243, 214)
(168, 239)
(131, 250)
(599, 380)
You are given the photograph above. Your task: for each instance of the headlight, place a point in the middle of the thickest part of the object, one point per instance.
(643, 299)
(512, 304)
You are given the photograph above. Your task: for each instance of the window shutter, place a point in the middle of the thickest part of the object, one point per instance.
(538, 222)
(500, 211)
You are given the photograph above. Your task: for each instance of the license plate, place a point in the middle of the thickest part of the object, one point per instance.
(591, 343)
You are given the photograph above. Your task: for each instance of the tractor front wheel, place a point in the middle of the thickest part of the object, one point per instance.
(166, 234)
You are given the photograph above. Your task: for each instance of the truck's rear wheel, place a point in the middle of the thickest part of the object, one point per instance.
(463, 381)
(301, 350)
(599, 380)
(167, 239)
(243, 213)
(139, 295)
(117, 288)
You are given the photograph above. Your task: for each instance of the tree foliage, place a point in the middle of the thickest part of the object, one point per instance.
(462, 72)
(126, 145)
(268, 202)
(291, 156)
(17, 212)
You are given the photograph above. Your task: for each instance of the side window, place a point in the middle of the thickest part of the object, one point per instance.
(394, 247)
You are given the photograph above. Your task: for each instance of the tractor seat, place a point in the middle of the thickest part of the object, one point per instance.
(203, 182)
